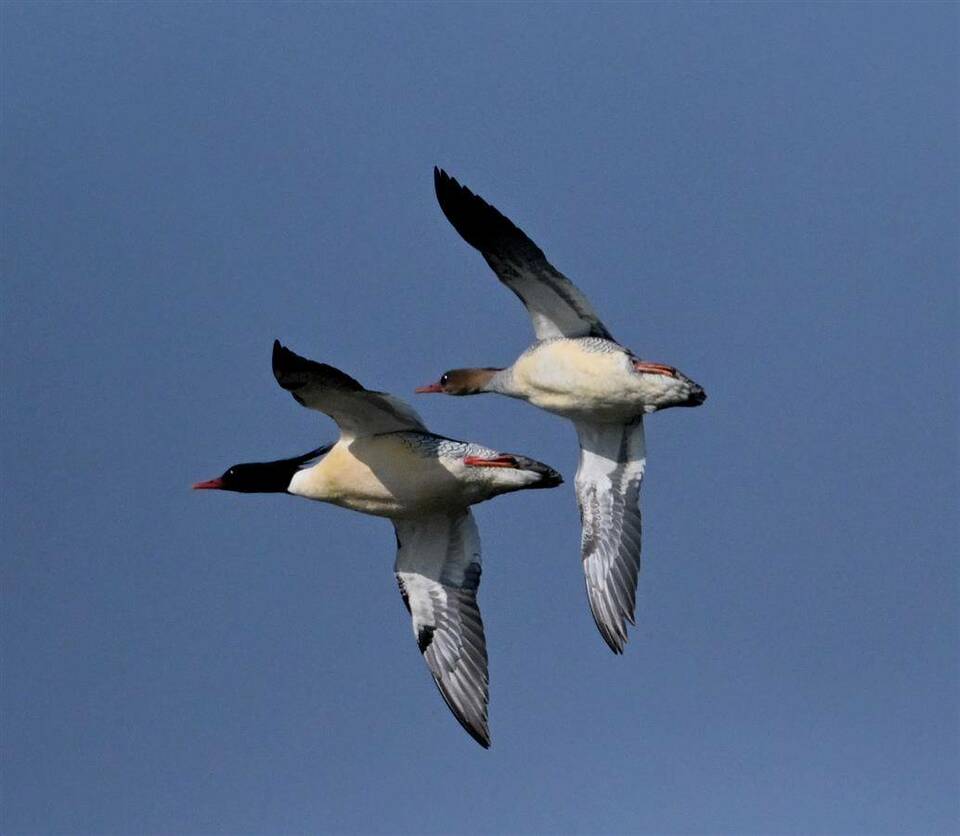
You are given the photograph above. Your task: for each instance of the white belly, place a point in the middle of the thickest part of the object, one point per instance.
(564, 378)
(381, 476)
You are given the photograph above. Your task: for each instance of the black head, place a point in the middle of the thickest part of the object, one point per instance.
(260, 477)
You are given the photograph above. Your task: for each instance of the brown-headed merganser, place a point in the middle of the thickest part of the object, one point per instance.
(386, 463)
(578, 370)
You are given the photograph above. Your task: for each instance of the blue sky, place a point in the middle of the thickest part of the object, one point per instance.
(765, 196)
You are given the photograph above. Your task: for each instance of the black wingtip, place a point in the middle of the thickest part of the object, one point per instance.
(478, 730)
(479, 223)
(450, 193)
(443, 186)
(449, 189)
(276, 359)
(293, 371)
(614, 641)
(285, 363)
(481, 735)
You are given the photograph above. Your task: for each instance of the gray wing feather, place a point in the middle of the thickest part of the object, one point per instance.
(612, 461)
(556, 305)
(438, 571)
(356, 410)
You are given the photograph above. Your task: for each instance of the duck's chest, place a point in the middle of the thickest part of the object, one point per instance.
(380, 475)
(572, 377)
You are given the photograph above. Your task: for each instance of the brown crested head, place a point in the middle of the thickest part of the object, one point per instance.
(461, 382)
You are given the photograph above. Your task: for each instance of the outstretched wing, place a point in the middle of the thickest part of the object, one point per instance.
(438, 571)
(612, 460)
(555, 304)
(356, 410)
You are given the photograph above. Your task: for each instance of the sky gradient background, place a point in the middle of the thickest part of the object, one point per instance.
(763, 195)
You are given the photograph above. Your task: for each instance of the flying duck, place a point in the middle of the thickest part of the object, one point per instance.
(575, 369)
(388, 464)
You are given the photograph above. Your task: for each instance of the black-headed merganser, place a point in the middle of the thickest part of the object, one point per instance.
(386, 463)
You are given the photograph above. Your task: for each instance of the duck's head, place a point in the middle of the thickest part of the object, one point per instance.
(260, 477)
(460, 382)
(664, 387)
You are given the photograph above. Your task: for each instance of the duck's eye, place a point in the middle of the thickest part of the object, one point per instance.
(445, 380)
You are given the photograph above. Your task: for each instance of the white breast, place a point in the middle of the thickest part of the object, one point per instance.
(381, 475)
(566, 378)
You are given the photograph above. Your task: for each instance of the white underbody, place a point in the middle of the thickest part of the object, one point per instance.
(382, 476)
(567, 378)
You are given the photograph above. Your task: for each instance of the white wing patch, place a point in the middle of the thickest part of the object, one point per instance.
(438, 571)
(612, 461)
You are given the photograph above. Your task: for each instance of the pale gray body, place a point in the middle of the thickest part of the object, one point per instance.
(577, 370)
(589, 379)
